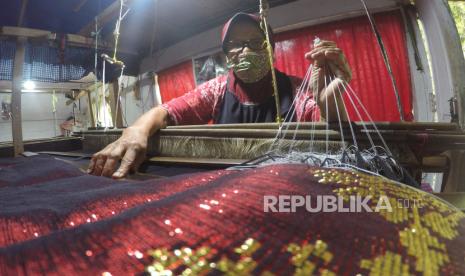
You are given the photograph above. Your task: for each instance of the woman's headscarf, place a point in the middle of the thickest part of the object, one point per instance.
(238, 17)
(256, 92)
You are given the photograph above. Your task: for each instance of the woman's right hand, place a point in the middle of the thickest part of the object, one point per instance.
(130, 149)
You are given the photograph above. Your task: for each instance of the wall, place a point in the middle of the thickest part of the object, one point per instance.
(133, 107)
(294, 15)
(38, 118)
(446, 55)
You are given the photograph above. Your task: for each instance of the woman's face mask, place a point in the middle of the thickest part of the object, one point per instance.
(250, 66)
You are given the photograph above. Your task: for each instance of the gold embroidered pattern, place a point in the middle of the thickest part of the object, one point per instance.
(387, 264)
(245, 265)
(418, 237)
(301, 256)
(165, 262)
(444, 226)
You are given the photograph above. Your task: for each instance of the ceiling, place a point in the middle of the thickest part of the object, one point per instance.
(61, 16)
(149, 25)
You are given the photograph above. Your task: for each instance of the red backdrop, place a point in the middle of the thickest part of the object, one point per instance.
(370, 80)
(176, 81)
(370, 77)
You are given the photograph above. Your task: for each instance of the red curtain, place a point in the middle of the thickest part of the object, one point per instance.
(176, 81)
(370, 80)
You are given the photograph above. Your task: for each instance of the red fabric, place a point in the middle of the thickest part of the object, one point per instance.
(176, 81)
(56, 220)
(370, 77)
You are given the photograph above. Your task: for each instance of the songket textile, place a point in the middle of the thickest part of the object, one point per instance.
(54, 219)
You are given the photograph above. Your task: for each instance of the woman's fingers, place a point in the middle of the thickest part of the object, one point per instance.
(112, 161)
(109, 167)
(99, 164)
(131, 146)
(327, 52)
(334, 55)
(91, 167)
(140, 159)
(127, 163)
(323, 43)
(322, 53)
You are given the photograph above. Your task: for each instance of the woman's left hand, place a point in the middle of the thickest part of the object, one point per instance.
(327, 53)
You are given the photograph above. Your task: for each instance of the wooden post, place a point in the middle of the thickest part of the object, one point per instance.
(119, 114)
(115, 106)
(456, 173)
(91, 109)
(16, 124)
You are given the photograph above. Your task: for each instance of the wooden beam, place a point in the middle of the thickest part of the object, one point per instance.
(73, 39)
(5, 86)
(81, 94)
(79, 5)
(24, 32)
(22, 12)
(17, 129)
(456, 173)
(36, 33)
(103, 18)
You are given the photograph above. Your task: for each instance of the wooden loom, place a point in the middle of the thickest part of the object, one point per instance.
(417, 146)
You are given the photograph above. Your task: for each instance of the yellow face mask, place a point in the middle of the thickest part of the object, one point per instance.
(250, 67)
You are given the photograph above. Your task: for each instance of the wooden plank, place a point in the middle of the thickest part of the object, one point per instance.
(53, 144)
(17, 128)
(197, 161)
(318, 125)
(67, 154)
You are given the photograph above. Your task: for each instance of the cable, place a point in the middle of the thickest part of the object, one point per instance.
(264, 25)
(386, 59)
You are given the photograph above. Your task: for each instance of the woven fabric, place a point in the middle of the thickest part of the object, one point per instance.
(56, 220)
(46, 64)
(7, 56)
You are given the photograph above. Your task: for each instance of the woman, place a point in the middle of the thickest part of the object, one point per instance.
(244, 95)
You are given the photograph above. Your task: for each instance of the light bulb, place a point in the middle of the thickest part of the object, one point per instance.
(29, 85)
